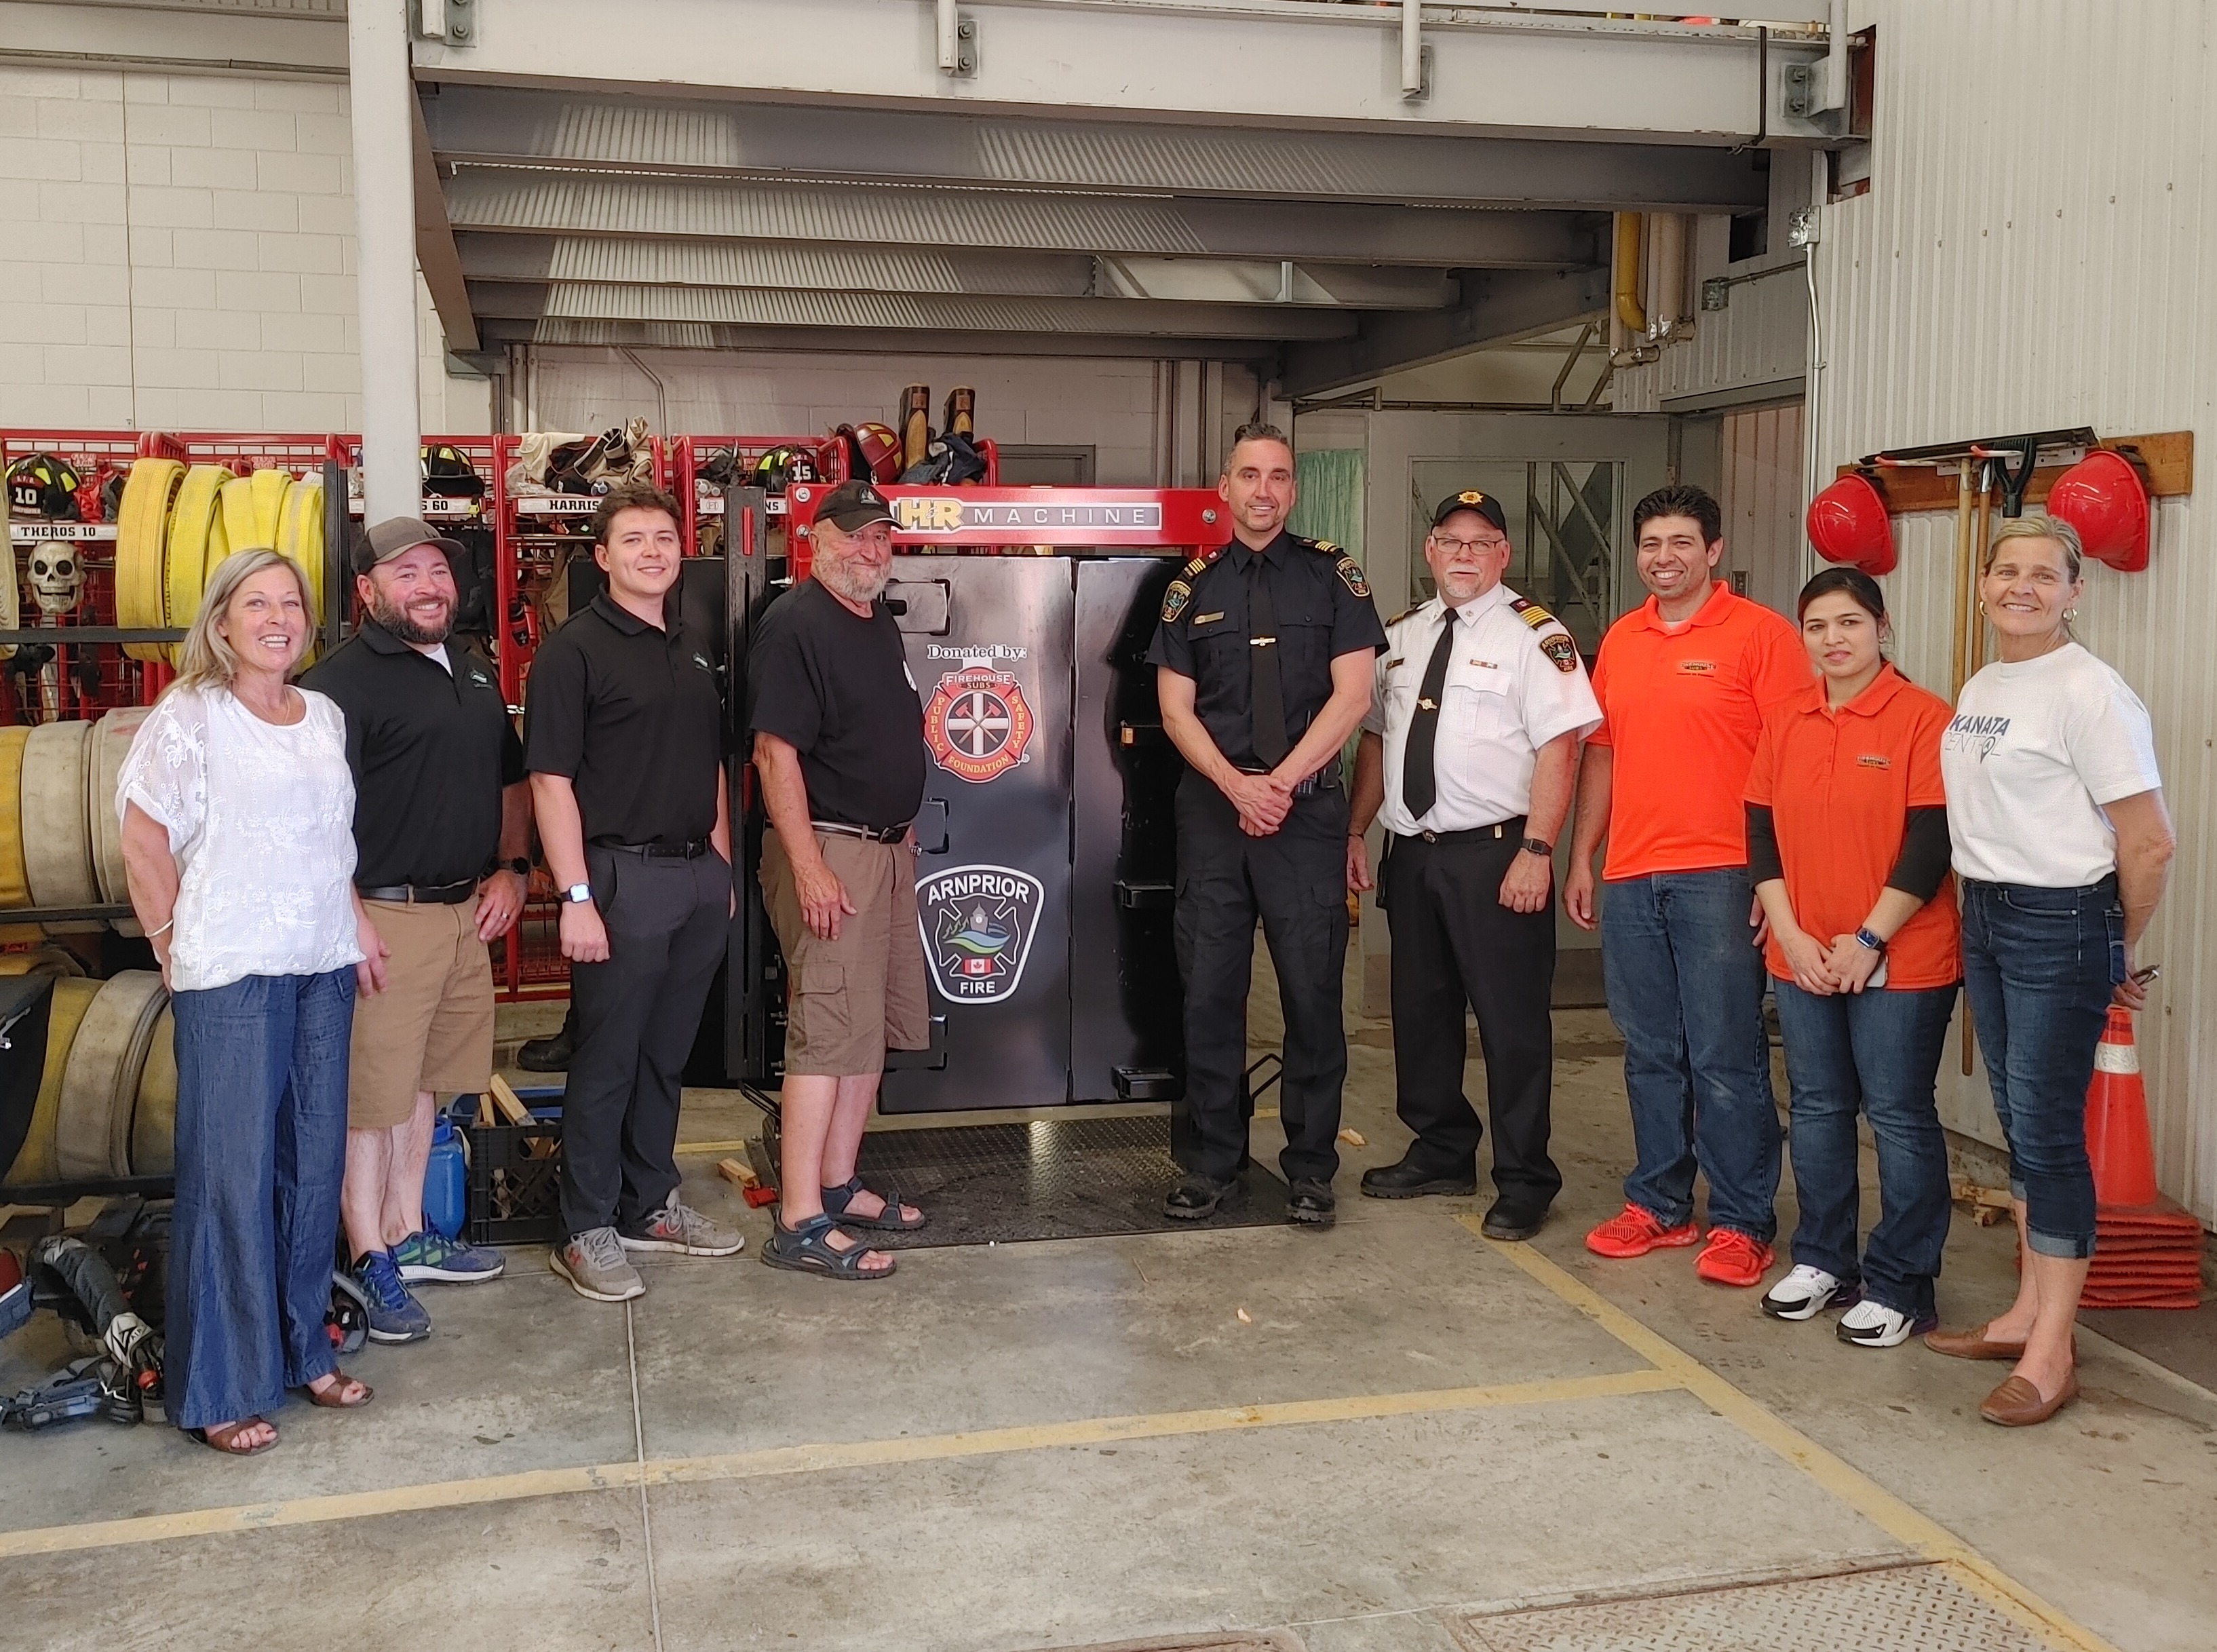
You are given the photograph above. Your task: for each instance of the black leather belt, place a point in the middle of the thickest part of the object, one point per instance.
(1325, 779)
(868, 834)
(1512, 827)
(693, 851)
(424, 895)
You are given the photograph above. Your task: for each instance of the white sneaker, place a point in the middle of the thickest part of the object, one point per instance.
(1805, 1293)
(1873, 1325)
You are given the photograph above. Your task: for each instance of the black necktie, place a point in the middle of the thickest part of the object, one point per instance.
(1266, 694)
(1419, 789)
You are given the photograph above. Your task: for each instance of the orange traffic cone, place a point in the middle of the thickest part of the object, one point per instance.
(2117, 1138)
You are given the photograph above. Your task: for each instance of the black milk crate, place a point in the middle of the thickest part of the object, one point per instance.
(515, 1173)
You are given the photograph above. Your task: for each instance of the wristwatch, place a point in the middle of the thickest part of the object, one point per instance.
(1865, 938)
(577, 893)
(1544, 850)
(521, 866)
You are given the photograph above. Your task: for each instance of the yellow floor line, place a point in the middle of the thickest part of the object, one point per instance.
(813, 1459)
(1848, 1484)
(702, 1149)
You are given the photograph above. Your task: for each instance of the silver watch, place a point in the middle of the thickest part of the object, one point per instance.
(577, 893)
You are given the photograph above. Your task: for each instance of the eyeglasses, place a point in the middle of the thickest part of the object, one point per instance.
(1449, 547)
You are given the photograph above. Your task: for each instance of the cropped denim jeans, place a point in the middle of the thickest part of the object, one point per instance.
(2039, 968)
(261, 1124)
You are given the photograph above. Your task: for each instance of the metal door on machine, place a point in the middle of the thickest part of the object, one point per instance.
(989, 648)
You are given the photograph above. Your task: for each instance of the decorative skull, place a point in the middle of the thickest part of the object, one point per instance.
(57, 578)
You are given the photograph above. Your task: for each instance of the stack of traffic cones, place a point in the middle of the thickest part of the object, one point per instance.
(2147, 1251)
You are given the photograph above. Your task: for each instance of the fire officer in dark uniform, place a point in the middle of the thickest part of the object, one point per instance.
(1469, 756)
(1263, 664)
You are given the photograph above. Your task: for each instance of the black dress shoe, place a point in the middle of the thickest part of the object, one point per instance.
(1409, 1181)
(1310, 1204)
(1507, 1220)
(1197, 1197)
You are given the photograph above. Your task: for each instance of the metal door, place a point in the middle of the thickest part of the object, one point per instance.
(990, 650)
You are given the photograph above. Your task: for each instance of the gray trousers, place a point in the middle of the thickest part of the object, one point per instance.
(637, 1015)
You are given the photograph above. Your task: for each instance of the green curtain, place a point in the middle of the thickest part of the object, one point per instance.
(1330, 501)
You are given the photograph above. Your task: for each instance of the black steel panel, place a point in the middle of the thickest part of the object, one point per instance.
(1127, 1007)
(989, 647)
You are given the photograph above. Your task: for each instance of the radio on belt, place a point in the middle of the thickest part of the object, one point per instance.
(1048, 859)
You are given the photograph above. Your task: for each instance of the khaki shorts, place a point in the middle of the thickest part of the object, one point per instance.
(849, 1000)
(431, 1028)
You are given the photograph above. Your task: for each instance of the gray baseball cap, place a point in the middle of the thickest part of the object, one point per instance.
(390, 538)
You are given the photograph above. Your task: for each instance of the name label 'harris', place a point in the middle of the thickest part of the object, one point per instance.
(947, 515)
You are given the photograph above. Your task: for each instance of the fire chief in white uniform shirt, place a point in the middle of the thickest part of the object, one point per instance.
(1468, 758)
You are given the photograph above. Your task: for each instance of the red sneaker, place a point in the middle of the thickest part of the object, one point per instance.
(1732, 1258)
(1636, 1232)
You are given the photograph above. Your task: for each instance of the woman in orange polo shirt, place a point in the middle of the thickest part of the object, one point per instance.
(1847, 837)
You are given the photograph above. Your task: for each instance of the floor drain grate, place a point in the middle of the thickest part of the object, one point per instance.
(1908, 1609)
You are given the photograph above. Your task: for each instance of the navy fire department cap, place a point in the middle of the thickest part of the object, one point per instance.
(854, 505)
(1471, 499)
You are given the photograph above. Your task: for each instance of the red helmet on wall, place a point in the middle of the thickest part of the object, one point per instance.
(2103, 498)
(1848, 523)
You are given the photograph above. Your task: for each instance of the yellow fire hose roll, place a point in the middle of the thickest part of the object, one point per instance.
(154, 1119)
(196, 543)
(57, 833)
(100, 1082)
(14, 876)
(300, 536)
(41, 961)
(142, 529)
(36, 1163)
(11, 597)
(104, 753)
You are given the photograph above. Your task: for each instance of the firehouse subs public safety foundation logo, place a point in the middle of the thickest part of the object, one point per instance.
(978, 724)
(977, 923)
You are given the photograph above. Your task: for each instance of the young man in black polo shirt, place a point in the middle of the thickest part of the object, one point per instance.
(622, 738)
(442, 819)
(839, 745)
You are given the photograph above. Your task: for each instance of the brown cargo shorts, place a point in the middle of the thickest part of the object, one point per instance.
(431, 1028)
(849, 1000)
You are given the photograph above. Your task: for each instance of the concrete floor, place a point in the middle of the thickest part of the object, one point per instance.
(1354, 1439)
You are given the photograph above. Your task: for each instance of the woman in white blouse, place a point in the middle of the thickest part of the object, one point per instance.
(2061, 844)
(238, 813)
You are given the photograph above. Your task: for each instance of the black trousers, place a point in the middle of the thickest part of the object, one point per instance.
(1295, 880)
(1454, 942)
(637, 1017)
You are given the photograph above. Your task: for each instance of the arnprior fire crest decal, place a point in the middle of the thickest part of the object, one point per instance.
(977, 922)
(976, 723)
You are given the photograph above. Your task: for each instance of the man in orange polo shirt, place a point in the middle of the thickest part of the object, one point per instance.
(1683, 681)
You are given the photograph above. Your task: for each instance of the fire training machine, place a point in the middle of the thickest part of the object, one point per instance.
(1047, 862)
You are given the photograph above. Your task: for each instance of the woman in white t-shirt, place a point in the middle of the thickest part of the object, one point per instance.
(2060, 846)
(237, 812)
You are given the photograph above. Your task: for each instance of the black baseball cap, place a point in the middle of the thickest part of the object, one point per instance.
(1471, 499)
(394, 535)
(854, 505)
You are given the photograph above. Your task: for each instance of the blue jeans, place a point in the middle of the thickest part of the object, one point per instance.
(1685, 989)
(1875, 1052)
(2039, 966)
(261, 1124)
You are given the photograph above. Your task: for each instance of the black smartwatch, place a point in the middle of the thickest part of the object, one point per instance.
(521, 866)
(1544, 850)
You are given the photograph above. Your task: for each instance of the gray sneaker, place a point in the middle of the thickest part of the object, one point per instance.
(680, 1228)
(596, 1267)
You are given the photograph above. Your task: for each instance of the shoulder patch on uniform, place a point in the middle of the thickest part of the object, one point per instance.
(1349, 570)
(1530, 612)
(1559, 648)
(1174, 600)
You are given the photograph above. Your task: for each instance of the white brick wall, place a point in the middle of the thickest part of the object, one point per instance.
(179, 254)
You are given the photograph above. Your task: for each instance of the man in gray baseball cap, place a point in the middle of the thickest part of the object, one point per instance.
(442, 824)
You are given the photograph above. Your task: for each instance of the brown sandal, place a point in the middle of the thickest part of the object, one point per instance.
(328, 1397)
(224, 1436)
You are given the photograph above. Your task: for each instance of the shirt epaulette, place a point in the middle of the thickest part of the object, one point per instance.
(1531, 613)
(1403, 615)
(1348, 570)
(1180, 590)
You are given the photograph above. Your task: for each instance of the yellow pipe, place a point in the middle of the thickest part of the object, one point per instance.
(1629, 310)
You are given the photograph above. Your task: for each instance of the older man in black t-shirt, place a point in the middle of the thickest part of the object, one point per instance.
(839, 745)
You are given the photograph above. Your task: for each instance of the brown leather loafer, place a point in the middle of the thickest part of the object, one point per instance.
(2017, 1404)
(1972, 1344)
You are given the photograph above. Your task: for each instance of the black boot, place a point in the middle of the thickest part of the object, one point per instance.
(551, 1055)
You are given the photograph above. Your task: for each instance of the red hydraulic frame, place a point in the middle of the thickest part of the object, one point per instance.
(1009, 521)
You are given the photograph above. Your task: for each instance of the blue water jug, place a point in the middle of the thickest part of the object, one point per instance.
(446, 1181)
